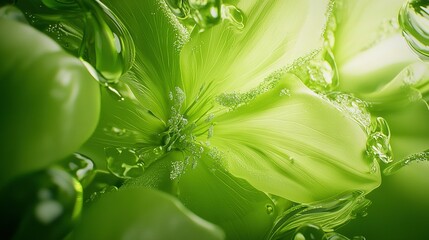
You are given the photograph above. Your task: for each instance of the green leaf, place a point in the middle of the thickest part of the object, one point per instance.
(225, 59)
(298, 145)
(141, 213)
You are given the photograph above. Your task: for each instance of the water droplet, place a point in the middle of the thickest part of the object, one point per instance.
(158, 151)
(206, 13)
(234, 15)
(414, 158)
(79, 165)
(353, 106)
(378, 142)
(115, 131)
(107, 45)
(414, 21)
(95, 195)
(177, 169)
(309, 232)
(284, 92)
(179, 8)
(123, 162)
(319, 73)
(95, 34)
(270, 209)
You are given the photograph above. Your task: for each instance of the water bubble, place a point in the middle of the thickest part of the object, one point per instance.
(378, 142)
(123, 162)
(309, 232)
(414, 21)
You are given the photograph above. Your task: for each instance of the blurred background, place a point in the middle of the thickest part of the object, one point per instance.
(399, 210)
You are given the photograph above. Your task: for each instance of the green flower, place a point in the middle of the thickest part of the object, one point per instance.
(230, 92)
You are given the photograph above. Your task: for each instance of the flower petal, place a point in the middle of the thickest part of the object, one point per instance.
(296, 145)
(157, 37)
(362, 23)
(370, 69)
(224, 58)
(403, 103)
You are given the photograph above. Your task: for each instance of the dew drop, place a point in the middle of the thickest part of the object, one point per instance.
(414, 21)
